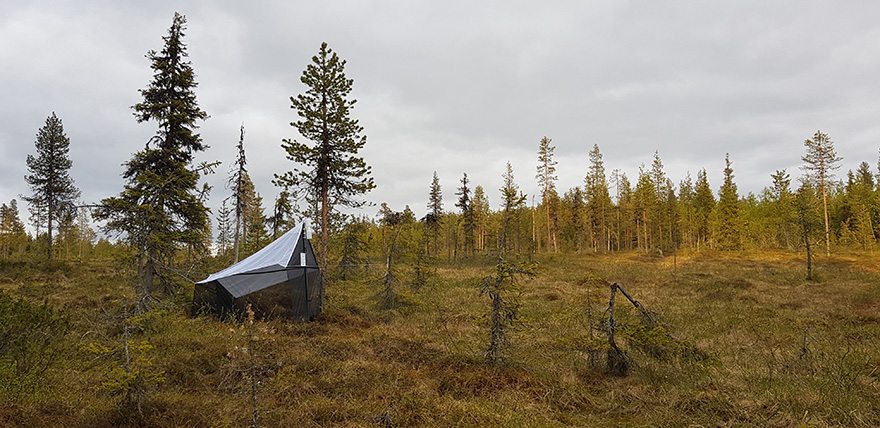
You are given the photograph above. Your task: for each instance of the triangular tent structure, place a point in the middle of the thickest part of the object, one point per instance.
(280, 280)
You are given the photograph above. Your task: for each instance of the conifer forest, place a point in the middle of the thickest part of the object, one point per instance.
(645, 300)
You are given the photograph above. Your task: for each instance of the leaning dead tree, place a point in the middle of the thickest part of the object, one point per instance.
(617, 361)
(649, 335)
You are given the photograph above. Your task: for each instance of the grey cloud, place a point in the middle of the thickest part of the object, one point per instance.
(458, 86)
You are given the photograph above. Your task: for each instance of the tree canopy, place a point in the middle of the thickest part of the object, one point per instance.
(161, 207)
(329, 170)
(54, 193)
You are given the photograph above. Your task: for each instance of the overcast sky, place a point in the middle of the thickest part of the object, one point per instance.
(457, 86)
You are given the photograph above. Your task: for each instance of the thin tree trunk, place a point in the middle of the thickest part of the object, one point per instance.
(237, 229)
(547, 209)
(49, 227)
(659, 221)
(535, 228)
(809, 258)
(827, 229)
(324, 238)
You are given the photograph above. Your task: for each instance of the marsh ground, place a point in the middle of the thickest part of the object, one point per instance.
(777, 350)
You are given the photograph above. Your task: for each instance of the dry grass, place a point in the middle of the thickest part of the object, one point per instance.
(785, 352)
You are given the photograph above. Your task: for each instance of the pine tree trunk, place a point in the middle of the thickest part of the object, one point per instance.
(324, 238)
(49, 227)
(535, 229)
(547, 208)
(659, 221)
(827, 229)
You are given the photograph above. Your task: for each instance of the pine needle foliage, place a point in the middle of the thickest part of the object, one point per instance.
(820, 162)
(329, 170)
(54, 193)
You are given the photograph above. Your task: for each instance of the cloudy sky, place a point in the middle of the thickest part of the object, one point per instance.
(458, 86)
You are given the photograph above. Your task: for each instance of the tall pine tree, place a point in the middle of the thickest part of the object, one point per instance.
(820, 162)
(160, 208)
(53, 190)
(333, 174)
(547, 180)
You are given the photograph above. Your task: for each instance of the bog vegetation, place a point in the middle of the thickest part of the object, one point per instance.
(741, 339)
(618, 303)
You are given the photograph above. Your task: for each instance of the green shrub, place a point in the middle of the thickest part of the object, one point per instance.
(29, 341)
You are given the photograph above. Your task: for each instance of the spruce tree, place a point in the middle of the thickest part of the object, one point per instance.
(13, 237)
(238, 183)
(729, 221)
(807, 219)
(572, 218)
(331, 173)
(820, 163)
(435, 210)
(282, 215)
(468, 216)
(256, 236)
(502, 287)
(435, 197)
(658, 177)
(626, 211)
(617, 179)
(686, 209)
(704, 205)
(644, 201)
(53, 190)
(160, 208)
(598, 200)
(859, 206)
(251, 210)
(513, 200)
(224, 229)
(355, 246)
(782, 207)
(671, 214)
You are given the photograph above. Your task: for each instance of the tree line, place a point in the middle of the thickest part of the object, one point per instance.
(164, 223)
(653, 214)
